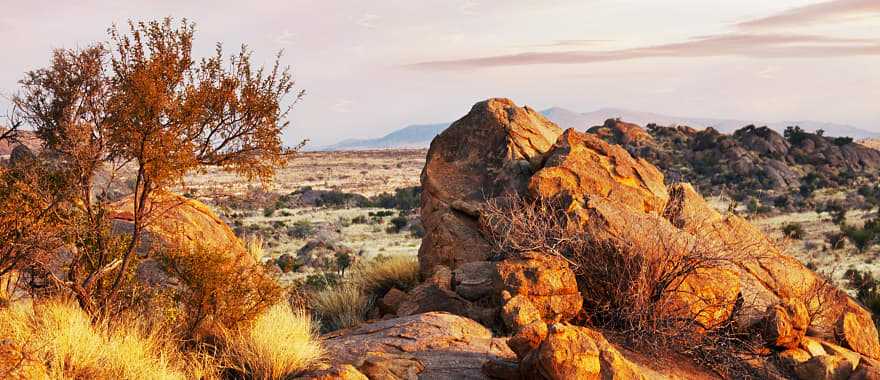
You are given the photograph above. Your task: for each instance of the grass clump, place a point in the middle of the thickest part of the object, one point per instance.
(59, 339)
(341, 307)
(348, 303)
(382, 274)
(281, 343)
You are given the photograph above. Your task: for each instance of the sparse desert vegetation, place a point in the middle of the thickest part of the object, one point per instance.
(155, 223)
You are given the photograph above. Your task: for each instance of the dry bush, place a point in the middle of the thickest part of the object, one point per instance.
(279, 344)
(632, 286)
(218, 289)
(61, 337)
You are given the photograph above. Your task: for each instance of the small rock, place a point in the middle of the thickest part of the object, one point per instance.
(501, 369)
(793, 357)
(572, 352)
(475, 280)
(785, 323)
(824, 367)
(867, 370)
(813, 346)
(389, 303)
(527, 339)
(383, 366)
(519, 312)
(340, 372)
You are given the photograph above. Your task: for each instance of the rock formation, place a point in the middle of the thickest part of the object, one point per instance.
(500, 149)
(752, 158)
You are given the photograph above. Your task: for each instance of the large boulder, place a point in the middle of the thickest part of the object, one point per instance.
(176, 222)
(583, 166)
(620, 132)
(432, 345)
(491, 151)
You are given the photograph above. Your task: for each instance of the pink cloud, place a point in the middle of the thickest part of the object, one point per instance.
(834, 10)
(735, 44)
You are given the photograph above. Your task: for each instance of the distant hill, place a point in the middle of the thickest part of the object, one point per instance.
(413, 136)
(420, 136)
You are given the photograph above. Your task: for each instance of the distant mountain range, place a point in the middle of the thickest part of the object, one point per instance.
(420, 136)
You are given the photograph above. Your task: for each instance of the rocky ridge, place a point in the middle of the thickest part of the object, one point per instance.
(750, 159)
(500, 149)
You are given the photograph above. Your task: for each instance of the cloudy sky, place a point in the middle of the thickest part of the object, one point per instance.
(370, 67)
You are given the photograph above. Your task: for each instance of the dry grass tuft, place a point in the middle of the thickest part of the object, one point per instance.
(378, 276)
(254, 245)
(280, 344)
(347, 305)
(61, 336)
(341, 307)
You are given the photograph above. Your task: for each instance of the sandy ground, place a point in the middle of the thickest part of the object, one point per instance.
(364, 172)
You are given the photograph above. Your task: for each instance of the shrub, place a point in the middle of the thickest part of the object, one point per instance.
(301, 229)
(836, 240)
(795, 134)
(254, 245)
(630, 281)
(335, 198)
(380, 214)
(794, 231)
(404, 199)
(360, 219)
(840, 141)
(280, 344)
(865, 237)
(219, 287)
(343, 261)
(268, 212)
(398, 223)
(867, 290)
(321, 281)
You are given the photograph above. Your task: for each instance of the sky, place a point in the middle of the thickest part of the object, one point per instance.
(370, 67)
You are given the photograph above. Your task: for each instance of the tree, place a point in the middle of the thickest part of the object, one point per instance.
(142, 99)
(794, 134)
(66, 104)
(172, 114)
(343, 261)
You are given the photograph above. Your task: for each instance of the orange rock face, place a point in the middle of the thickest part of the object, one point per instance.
(583, 166)
(175, 221)
(544, 281)
(620, 132)
(491, 151)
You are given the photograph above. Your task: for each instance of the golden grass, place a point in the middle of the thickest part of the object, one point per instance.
(280, 344)
(378, 276)
(347, 305)
(254, 245)
(340, 307)
(61, 337)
